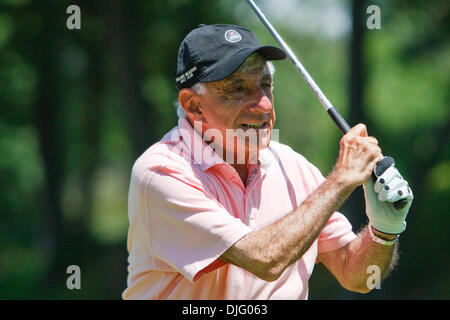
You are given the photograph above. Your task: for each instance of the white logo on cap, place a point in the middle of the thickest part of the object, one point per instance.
(232, 36)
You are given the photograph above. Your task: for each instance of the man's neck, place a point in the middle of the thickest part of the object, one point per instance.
(242, 170)
(243, 166)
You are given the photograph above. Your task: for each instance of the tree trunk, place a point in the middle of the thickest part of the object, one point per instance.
(121, 36)
(48, 108)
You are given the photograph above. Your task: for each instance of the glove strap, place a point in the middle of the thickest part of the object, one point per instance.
(381, 241)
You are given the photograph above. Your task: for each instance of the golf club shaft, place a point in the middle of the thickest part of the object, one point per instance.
(383, 164)
(332, 112)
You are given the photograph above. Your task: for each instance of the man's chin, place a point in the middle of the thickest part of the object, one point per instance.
(247, 144)
(248, 154)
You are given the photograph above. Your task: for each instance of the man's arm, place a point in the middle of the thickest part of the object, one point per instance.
(269, 251)
(350, 264)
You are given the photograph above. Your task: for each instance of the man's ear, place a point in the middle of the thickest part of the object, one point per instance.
(189, 101)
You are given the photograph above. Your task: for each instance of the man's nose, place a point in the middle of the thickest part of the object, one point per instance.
(261, 104)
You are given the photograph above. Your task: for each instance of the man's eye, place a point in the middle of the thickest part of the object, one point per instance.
(266, 86)
(239, 89)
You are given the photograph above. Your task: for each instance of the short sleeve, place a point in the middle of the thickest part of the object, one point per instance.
(336, 233)
(187, 228)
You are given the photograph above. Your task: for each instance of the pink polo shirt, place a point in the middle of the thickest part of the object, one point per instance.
(187, 207)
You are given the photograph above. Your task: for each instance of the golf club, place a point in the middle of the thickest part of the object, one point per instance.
(343, 126)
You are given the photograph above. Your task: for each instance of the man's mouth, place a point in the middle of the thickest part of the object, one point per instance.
(255, 125)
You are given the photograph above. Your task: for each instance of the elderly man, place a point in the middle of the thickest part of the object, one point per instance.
(219, 211)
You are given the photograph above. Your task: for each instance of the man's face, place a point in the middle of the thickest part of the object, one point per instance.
(240, 105)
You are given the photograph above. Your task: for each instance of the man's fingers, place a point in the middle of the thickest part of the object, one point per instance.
(391, 186)
(358, 130)
(372, 164)
(391, 191)
(386, 178)
(399, 194)
(372, 140)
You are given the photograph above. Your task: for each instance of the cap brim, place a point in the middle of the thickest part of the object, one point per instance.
(230, 65)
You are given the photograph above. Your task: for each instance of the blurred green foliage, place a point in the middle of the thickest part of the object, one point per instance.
(78, 106)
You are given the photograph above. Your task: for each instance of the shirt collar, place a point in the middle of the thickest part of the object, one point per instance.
(201, 153)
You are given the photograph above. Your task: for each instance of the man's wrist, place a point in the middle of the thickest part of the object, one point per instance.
(339, 179)
(382, 235)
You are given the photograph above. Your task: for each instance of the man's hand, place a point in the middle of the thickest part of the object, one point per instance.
(380, 196)
(358, 156)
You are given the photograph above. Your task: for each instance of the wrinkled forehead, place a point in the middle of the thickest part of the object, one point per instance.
(255, 65)
(254, 61)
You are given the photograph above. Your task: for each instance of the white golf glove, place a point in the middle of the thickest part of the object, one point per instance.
(380, 196)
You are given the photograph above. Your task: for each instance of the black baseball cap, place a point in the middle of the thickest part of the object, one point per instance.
(213, 52)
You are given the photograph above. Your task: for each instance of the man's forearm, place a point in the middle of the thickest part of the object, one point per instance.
(269, 251)
(363, 253)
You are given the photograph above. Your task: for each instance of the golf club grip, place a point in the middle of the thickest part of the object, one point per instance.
(338, 120)
(381, 167)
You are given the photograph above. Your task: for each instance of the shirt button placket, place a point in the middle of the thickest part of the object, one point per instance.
(253, 181)
(248, 211)
(251, 218)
